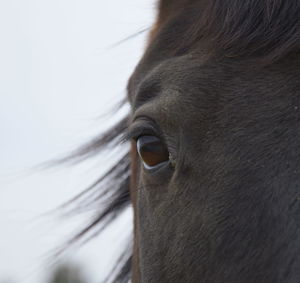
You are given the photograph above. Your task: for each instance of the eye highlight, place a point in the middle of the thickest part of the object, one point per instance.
(152, 151)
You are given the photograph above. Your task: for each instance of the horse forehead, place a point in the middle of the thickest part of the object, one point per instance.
(179, 73)
(175, 72)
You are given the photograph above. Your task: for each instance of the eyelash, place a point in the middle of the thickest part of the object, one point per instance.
(133, 133)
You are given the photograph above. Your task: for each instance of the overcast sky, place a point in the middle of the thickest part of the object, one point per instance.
(58, 74)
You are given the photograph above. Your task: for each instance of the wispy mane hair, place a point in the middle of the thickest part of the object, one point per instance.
(266, 29)
(109, 194)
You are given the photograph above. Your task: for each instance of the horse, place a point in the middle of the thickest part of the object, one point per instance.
(213, 169)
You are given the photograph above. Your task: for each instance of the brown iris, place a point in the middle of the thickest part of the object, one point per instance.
(152, 151)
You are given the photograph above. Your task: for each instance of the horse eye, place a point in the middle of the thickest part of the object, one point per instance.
(152, 151)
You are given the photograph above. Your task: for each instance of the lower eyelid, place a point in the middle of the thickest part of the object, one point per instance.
(153, 169)
(156, 166)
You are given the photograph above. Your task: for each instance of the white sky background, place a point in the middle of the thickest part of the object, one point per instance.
(58, 74)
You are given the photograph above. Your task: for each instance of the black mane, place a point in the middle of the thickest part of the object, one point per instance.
(266, 29)
(109, 194)
(269, 28)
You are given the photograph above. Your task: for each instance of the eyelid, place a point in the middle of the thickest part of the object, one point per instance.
(141, 128)
(135, 132)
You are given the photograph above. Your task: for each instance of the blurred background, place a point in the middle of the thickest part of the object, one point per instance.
(60, 73)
